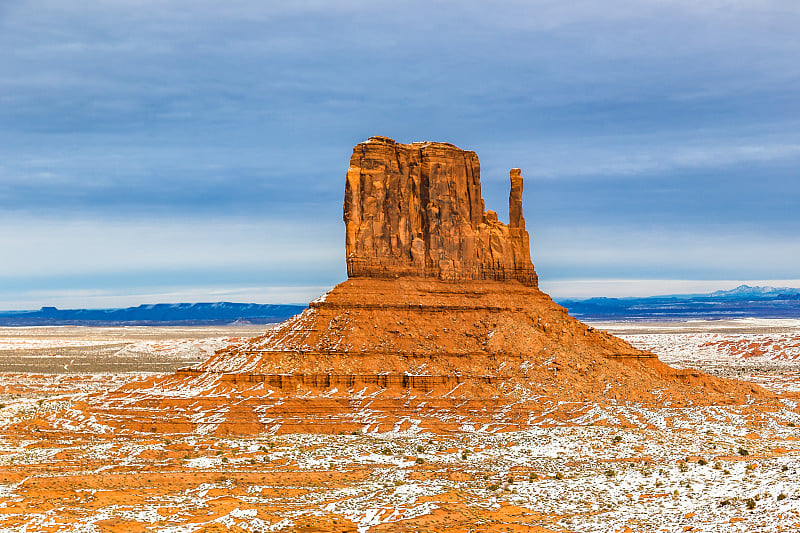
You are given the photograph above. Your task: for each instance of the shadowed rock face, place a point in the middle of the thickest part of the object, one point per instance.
(416, 210)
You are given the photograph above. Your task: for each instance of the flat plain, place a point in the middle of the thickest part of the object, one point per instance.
(623, 468)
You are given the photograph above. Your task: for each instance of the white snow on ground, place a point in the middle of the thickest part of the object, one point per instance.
(673, 470)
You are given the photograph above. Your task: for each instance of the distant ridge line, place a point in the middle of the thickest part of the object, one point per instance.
(163, 314)
(742, 302)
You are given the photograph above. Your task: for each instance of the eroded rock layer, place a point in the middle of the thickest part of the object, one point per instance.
(378, 355)
(416, 210)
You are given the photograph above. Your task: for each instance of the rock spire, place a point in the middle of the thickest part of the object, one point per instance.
(416, 210)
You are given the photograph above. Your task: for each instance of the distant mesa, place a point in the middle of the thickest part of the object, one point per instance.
(186, 314)
(742, 302)
(440, 325)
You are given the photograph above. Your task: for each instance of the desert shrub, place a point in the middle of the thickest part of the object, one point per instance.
(743, 452)
(494, 486)
(420, 448)
(750, 503)
(726, 472)
(419, 460)
(533, 476)
(559, 475)
(781, 496)
(683, 467)
(717, 466)
(792, 424)
(784, 468)
(617, 439)
(702, 462)
(610, 473)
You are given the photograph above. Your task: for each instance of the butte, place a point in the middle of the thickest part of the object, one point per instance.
(440, 326)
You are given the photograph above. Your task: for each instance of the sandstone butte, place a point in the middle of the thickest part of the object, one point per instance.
(440, 325)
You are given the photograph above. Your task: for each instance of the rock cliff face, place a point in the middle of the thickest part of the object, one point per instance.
(416, 210)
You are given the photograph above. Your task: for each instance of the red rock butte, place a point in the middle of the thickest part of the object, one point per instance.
(440, 324)
(416, 210)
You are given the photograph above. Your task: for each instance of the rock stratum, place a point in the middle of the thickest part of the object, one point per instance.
(440, 326)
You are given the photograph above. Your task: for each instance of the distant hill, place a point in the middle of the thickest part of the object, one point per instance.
(742, 302)
(157, 315)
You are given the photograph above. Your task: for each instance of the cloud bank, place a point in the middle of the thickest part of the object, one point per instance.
(158, 126)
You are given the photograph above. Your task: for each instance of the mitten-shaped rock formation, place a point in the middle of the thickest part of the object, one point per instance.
(416, 210)
(440, 326)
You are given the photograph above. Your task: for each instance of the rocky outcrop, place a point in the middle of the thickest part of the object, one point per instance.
(416, 210)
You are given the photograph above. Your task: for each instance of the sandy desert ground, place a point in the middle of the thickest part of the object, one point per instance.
(615, 469)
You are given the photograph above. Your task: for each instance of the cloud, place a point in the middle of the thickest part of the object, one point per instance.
(39, 248)
(691, 253)
(153, 137)
(638, 157)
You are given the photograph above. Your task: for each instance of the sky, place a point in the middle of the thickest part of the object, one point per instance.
(190, 150)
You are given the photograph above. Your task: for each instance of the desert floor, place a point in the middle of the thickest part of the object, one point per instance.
(616, 469)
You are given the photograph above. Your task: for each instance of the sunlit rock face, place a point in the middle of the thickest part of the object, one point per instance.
(416, 210)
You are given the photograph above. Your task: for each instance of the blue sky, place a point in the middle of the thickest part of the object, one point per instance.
(171, 150)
